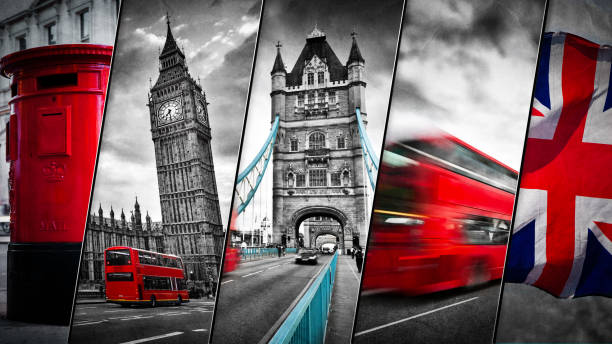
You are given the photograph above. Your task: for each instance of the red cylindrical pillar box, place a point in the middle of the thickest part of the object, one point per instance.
(52, 139)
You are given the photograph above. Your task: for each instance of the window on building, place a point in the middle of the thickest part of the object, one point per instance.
(51, 33)
(332, 97)
(21, 43)
(300, 100)
(336, 179)
(320, 77)
(310, 78)
(300, 180)
(316, 140)
(84, 24)
(341, 142)
(317, 177)
(294, 145)
(311, 98)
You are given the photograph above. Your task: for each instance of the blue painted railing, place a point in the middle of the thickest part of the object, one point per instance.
(291, 250)
(367, 149)
(251, 253)
(307, 322)
(264, 153)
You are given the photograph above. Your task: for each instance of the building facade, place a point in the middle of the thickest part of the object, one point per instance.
(185, 171)
(104, 232)
(318, 160)
(27, 24)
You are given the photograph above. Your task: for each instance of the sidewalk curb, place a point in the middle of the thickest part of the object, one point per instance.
(90, 302)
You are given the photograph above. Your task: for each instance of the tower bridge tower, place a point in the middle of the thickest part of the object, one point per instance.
(318, 159)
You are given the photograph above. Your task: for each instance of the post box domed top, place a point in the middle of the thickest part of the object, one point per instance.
(55, 55)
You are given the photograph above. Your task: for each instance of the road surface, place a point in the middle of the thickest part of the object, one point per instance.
(255, 296)
(111, 323)
(455, 316)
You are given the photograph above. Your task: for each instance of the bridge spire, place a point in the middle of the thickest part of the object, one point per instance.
(279, 66)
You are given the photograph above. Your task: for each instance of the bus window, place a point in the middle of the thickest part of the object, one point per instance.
(118, 257)
(180, 284)
(145, 258)
(119, 277)
(156, 283)
(482, 230)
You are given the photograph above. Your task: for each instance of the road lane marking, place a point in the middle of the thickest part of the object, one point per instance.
(89, 323)
(88, 307)
(115, 311)
(413, 317)
(200, 330)
(172, 314)
(353, 271)
(274, 267)
(227, 281)
(253, 273)
(137, 317)
(148, 339)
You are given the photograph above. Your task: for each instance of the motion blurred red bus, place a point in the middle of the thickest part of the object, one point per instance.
(232, 254)
(135, 276)
(441, 218)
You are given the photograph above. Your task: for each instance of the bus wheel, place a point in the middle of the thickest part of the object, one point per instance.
(179, 300)
(153, 301)
(476, 275)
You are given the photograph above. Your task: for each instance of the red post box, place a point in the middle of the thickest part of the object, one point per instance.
(52, 139)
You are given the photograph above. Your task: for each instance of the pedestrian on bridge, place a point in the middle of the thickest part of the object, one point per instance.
(278, 248)
(359, 258)
(352, 252)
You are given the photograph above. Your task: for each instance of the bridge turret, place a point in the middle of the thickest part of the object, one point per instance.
(356, 78)
(279, 79)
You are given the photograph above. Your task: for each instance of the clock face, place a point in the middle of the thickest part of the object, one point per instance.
(169, 112)
(200, 112)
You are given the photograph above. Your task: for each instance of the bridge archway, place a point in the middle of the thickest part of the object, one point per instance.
(343, 225)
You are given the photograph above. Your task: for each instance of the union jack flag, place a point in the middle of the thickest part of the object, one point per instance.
(562, 237)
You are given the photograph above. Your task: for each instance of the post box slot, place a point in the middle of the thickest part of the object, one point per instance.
(57, 80)
(54, 131)
(14, 89)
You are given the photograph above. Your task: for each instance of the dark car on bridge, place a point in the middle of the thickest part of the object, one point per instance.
(306, 255)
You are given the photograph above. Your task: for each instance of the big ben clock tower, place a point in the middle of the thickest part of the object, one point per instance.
(185, 171)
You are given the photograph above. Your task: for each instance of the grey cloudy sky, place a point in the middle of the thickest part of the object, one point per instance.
(377, 24)
(466, 67)
(218, 38)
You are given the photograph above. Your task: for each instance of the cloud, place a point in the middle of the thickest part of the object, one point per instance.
(179, 27)
(460, 69)
(249, 27)
(151, 38)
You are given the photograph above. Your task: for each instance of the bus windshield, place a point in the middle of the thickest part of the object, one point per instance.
(118, 257)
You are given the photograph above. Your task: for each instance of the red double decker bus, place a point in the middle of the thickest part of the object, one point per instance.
(135, 276)
(441, 218)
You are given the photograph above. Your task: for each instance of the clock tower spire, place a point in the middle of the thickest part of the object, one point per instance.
(185, 171)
